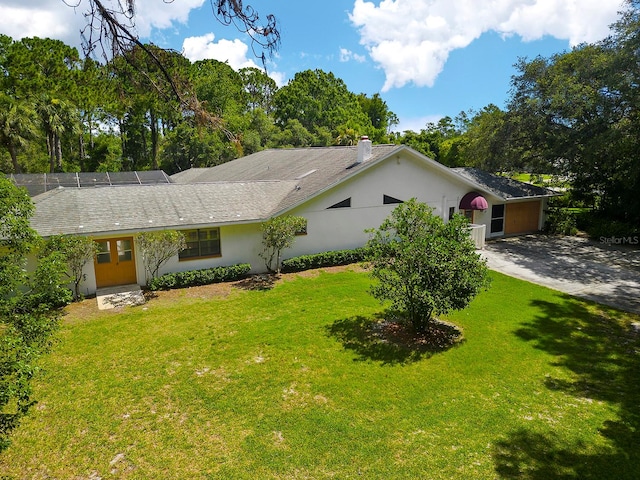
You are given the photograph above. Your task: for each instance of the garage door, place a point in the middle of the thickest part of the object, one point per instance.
(522, 217)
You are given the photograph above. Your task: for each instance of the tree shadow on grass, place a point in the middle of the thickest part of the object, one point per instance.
(602, 353)
(385, 338)
(526, 455)
(8, 422)
(259, 282)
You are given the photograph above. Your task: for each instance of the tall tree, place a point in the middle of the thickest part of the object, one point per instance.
(316, 98)
(57, 117)
(439, 141)
(485, 141)
(144, 110)
(43, 72)
(92, 97)
(219, 88)
(260, 88)
(18, 125)
(382, 119)
(577, 112)
(37, 66)
(111, 29)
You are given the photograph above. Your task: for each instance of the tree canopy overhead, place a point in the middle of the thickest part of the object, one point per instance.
(110, 31)
(578, 114)
(88, 116)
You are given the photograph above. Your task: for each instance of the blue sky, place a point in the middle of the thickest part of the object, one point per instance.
(426, 58)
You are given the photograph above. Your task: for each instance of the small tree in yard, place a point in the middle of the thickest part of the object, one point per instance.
(279, 233)
(424, 266)
(76, 250)
(157, 248)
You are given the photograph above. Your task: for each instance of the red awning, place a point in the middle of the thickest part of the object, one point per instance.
(473, 201)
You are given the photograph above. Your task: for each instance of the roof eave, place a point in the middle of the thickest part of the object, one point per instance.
(133, 231)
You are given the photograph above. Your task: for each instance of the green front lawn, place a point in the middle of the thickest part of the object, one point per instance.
(293, 383)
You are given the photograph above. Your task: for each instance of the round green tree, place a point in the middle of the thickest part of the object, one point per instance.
(424, 266)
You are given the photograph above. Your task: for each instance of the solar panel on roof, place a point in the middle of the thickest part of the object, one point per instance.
(33, 183)
(91, 179)
(54, 180)
(153, 176)
(24, 179)
(123, 178)
(37, 183)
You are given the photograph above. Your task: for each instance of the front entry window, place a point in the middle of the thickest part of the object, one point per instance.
(104, 252)
(124, 250)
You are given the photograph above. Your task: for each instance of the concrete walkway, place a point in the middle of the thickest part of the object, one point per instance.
(607, 274)
(121, 296)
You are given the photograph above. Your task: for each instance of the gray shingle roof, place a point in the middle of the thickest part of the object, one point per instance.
(328, 163)
(125, 208)
(312, 169)
(503, 187)
(249, 189)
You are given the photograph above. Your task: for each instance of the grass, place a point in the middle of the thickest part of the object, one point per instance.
(538, 179)
(541, 180)
(291, 383)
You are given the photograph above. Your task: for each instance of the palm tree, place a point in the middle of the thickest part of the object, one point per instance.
(57, 116)
(17, 126)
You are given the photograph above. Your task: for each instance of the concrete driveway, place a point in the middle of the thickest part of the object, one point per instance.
(604, 273)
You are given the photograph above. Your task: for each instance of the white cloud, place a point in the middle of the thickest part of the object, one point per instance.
(279, 77)
(416, 124)
(234, 52)
(411, 39)
(40, 18)
(63, 19)
(348, 55)
(154, 14)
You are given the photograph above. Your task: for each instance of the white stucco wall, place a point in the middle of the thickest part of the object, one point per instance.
(238, 244)
(342, 228)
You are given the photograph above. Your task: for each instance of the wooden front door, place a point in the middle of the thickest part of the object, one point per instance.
(522, 217)
(115, 262)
